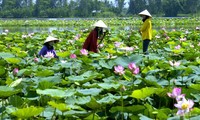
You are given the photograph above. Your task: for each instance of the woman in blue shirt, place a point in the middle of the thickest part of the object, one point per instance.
(48, 49)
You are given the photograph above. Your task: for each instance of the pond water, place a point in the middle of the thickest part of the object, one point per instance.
(34, 29)
(62, 28)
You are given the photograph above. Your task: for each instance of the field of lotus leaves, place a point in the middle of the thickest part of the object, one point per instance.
(118, 83)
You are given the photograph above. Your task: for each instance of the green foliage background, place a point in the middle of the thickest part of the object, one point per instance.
(95, 8)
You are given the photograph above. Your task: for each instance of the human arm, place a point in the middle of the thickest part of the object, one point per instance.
(43, 51)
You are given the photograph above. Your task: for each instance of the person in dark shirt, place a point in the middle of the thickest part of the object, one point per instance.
(97, 33)
(48, 49)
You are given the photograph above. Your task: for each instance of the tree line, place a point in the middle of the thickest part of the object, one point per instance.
(95, 8)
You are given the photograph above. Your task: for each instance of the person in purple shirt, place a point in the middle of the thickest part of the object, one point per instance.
(48, 49)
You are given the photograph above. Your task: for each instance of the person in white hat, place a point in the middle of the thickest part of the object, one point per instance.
(48, 49)
(146, 30)
(97, 33)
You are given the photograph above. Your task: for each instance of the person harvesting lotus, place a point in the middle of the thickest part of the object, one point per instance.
(146, 30)
(48, 49)
(97, 33)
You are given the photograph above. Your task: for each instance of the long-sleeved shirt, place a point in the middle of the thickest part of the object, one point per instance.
(44, 51)
(91, 42)
(146, 29)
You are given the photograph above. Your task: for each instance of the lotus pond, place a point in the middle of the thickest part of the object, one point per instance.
(119, 82)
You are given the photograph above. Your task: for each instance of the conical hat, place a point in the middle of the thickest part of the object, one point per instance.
(145, 12)
(100, 23)
(50, 38)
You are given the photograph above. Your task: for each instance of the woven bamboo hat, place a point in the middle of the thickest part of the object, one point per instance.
(50, 38)
(145, 12)
(100, 23)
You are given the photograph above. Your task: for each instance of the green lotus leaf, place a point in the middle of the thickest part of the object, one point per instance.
(28, 112)
(13, 60)
(60, 106)
(162, 114)
(178, 51)
(195, 118)
(63, 54)
(111, 51)
(83, 100)
(16, 49)
(22, 54)
(15, 83)
(95, 55)
(16, 101)
(152, 81)
(195, 111)
(53, 79)
(109, 86)
(85, 59)
(72, 113)
(55, 93)
(2, 70)
(91, 91)
(128, 75)
(142, 117)
(24, 72)
(8, 38)
(103, 63)
(129, 109)
(94, 117)
(108, 99)
(198, 60)
(85, 77)
(45, 84)
(6, 91)
(195, 86)
(93, 104)
(44, 73)
(143, 93)
(124, 61)
(2, 62)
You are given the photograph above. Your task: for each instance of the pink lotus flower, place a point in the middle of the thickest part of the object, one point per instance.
(132, 66)
(165, 34)
(176, 64)
(84, 52)
(100, 45)
(183, 39)
(15, 71)
(177, 47)
(117, 44)
(136, 71)
(184, 106)
(119, 70)
(167, 38)
(175, 93)
(73, 56)
(36, 59)
(49, 55)
(77, 37)
(127, 48)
